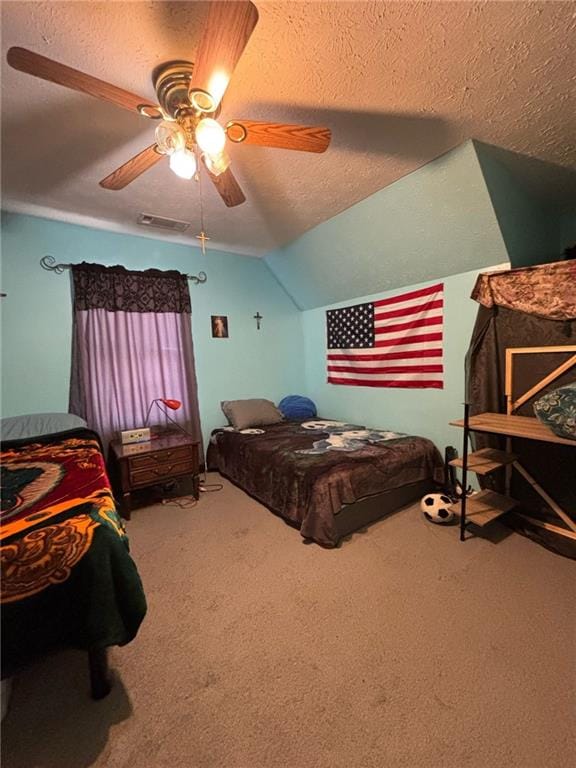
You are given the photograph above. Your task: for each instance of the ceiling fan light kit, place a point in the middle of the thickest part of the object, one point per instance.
(210, 136)
(189, 104)
(169, 137)
(183, 163)
(180, 139)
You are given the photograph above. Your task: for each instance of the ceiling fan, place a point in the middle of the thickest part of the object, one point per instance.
(190, 101)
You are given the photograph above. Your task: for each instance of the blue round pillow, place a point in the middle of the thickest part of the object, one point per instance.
(296, 407)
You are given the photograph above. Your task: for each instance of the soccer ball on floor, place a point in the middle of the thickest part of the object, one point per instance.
(436, 508)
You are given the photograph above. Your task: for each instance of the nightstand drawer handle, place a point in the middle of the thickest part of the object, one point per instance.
(162, 456)
(163, 471)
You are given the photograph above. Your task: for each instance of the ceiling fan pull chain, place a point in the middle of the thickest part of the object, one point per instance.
(203, 237)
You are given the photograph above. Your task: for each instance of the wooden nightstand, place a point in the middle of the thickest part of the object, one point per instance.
(140, 465)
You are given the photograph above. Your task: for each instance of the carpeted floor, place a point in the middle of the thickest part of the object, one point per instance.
(402, 648)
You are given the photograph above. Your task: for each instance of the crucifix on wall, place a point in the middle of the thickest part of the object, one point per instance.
(258, 317)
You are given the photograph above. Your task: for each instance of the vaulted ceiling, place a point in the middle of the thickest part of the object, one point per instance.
(397, 83)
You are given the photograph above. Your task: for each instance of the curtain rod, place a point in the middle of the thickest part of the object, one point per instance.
(49, 263)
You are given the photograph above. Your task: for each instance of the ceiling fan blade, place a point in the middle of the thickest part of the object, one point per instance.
(226, 33)
(141, 162)
(305, 138)
(228, 188)
(47, 69)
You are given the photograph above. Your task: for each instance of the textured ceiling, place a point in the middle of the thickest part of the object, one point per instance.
(398, 84)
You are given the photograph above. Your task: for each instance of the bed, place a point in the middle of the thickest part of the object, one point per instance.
(68, 579)
(325, 477)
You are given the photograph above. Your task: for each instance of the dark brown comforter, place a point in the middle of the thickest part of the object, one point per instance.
(309, 489)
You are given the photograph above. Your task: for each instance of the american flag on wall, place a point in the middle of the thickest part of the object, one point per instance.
(393, 342)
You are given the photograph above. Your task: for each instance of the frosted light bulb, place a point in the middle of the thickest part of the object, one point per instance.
(183, 163)
(169, 138)
(217, 164)
(210, 136)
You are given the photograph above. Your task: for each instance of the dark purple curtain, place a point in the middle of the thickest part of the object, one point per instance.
(500, 326)
(131, 343)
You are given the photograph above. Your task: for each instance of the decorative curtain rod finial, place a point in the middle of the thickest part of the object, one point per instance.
(49, 262)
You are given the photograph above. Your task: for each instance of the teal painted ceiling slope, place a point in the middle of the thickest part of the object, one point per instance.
(534, 203)
(435, 222)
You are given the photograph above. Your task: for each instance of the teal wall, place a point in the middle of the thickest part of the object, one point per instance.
(532, 231)
(36, 314)
(459, 214)
(438, 221)
(416, 411)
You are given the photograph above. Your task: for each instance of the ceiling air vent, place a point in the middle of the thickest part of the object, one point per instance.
(150, 220)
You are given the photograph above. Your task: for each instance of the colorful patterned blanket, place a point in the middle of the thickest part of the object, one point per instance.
(64, 546)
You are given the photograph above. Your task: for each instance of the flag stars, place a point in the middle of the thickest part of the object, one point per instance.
(351, 327)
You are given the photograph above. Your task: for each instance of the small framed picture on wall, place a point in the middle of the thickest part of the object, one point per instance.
(219, 326)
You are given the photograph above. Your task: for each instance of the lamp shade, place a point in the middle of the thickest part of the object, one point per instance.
(172, 404)
(162, 403)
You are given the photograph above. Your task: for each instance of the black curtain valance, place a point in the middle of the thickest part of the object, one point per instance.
(117, 289)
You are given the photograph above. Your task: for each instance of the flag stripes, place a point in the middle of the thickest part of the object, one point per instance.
(406, 298)
(415, 353)
(421, 384)
(421, 308)
(384, 329)
(361, 366)
(411, 342)
(392, 342)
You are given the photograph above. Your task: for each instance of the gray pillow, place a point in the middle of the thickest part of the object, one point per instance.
(243, 414)
(38, 424)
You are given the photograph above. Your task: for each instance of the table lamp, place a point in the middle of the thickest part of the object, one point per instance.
(173, 405)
